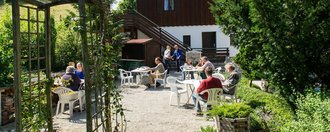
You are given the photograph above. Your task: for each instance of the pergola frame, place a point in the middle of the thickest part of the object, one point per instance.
(45, 5)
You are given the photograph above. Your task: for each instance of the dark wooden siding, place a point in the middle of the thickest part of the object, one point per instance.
(186, 12)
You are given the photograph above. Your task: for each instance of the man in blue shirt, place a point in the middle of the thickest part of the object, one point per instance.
(177, 55)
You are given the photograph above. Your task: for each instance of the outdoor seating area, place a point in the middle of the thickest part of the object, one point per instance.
(186, 88)
(164, 66)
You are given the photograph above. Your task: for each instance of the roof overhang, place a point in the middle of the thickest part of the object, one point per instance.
(138, 41)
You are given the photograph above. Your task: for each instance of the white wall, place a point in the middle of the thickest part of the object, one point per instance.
(195, 33)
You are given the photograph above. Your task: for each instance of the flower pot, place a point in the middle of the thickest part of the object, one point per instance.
(232, 124)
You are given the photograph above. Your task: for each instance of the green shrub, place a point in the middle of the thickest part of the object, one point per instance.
(208, 129)
(68, 45)
(235, 110)
(279, 110)
(313, 114)
(6, 48)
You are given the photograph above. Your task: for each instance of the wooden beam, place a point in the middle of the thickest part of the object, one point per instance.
(17, 64)
(60, 2)
(35, 2)
(48, 70)
(83, 34)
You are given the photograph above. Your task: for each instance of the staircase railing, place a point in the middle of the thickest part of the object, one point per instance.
(215, 54)
(153, 30)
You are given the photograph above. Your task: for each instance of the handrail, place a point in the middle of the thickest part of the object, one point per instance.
(155, 29)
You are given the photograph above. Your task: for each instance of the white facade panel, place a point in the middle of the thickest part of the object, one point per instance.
(195, 33)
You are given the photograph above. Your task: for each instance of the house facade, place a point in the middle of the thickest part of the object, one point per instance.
(190, 21)
(186, 23)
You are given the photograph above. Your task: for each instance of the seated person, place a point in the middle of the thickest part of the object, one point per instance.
(206, 63)
(187, 65)
(210, 82)
(71, 80)
(79, 71)
(72, 64)
(233, 79)
(156, 70)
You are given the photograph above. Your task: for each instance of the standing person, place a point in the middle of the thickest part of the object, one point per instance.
(209, 82)
(177, 55)
(79, 71)
(167, 58)
(206, 63)
(156, 70)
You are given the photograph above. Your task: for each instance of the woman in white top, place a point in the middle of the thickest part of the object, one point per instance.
(167, 58)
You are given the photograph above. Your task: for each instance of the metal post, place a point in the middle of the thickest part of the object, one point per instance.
(48, 69)
(83, 33)
(17, 64)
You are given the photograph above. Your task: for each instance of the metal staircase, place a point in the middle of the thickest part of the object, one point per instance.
(135, 19)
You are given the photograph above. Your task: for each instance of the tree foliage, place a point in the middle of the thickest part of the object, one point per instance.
(6, 48)
(127, 5)
(284, 41)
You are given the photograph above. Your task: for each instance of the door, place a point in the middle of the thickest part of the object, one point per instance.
(209, 42)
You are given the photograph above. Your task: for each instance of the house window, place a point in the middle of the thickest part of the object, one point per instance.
(168, 5)
(186, 40)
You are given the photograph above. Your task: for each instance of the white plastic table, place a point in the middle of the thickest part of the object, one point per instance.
(194, 70)
(192, 84)
(139, 71)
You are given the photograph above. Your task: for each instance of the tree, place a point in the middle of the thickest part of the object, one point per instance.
(127, 5)
(284, 41)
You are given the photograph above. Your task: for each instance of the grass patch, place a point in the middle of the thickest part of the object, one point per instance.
(274, 108)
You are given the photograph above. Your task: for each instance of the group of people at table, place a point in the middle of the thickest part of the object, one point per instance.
(73, 77)
(205, 70)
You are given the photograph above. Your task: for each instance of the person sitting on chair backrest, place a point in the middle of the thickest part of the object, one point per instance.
(209, 82)
(233, 79)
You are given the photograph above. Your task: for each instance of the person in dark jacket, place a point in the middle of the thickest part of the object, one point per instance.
(71, 80)
(233, 78)
(177, 55)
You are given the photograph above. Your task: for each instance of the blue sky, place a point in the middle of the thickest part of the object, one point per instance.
(116, 4)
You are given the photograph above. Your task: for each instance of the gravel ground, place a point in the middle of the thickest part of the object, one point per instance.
(146, 110)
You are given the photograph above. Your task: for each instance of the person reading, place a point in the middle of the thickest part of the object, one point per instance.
(233, 78)
(159, 68)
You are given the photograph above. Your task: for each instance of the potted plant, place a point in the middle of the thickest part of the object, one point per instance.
(231, 117)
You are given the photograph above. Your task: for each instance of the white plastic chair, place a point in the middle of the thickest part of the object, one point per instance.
(171, 81)
(219, 76)
(231, 98)
(218, 69)
(163, 80)
(67, 96)
(125, 75)
(214, 97)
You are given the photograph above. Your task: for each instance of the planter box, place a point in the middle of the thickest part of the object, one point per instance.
(232, 125)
